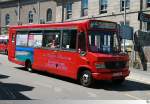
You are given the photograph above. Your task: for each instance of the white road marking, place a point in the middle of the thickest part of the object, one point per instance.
(134, 97)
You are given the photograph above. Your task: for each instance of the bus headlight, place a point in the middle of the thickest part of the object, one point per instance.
(100, 66)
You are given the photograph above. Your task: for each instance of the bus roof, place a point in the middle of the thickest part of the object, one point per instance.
(73, 24)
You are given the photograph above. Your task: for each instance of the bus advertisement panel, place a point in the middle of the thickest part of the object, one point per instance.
(85, 50)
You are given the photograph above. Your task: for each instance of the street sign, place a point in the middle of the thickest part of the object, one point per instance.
(126, 32)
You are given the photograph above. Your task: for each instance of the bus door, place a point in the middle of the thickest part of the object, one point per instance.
(48, 54)
(68, 55)
(12, 44)
(34, 49)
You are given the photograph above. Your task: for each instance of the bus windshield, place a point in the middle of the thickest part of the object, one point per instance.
(103, 42)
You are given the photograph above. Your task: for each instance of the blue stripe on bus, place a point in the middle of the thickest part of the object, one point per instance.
(24, 53)
(24, 49)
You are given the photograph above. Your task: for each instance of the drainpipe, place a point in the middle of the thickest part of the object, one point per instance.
(38, 11)
(141, 9)
(124, 41)
(18, 20)
(63, 4)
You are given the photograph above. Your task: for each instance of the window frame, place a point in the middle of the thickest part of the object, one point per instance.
(84, 7)
(30, 17)
(7, 19)
(49, 14)
(148, 3)
(122, 5)
(68, 9)
(102, 11)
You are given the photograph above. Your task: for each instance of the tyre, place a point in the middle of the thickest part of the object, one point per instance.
(28, 66)
(86, 79)
(118, 81)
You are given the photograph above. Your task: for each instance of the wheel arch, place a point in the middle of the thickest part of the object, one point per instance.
(27, 61)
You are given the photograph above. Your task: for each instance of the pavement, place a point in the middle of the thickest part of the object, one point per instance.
(139, 75)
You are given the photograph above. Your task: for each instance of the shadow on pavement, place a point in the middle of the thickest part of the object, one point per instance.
(128, 85)
(10, 91)
(3, 76)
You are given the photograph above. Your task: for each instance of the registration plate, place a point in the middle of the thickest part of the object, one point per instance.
(117, 74)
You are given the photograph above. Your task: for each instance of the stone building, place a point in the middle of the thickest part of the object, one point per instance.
(18, 12)
(15, 12)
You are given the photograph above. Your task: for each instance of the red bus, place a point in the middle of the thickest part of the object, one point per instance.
(85, 50)
(3, 43)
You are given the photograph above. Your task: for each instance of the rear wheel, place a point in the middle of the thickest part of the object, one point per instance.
(28, 66)
(86, 79)
(118, 81)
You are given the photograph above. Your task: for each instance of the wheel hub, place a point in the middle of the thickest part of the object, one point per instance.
(85, 78)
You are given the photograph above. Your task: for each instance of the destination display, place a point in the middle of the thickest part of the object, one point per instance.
(102, 25)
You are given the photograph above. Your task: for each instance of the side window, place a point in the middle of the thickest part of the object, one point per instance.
(22, 39)
(35, 39)
(82, 41)
(51, 39)
(69, 39)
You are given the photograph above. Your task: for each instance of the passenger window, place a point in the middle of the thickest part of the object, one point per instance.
(21, 39)
(35, 39)
(51, 39)
(69, 39)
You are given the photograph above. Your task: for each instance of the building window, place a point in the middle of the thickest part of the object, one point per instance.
(103, 6)
(49, 15)
(30, 17)
(127, 4)
(84, 7)
(7, 19)
(148, 3)
(68, 10)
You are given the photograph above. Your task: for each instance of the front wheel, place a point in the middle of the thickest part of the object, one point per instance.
(28, 66)
(86, 79)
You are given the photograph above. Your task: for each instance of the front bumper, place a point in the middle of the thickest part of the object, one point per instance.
(110, 75)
